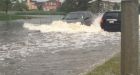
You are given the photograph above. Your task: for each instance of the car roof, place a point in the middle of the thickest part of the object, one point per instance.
(113, 12)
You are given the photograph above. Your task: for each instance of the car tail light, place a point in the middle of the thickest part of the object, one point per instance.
(102, 22)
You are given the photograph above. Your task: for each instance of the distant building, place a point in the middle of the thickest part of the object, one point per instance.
(31, 4)
(51, 5)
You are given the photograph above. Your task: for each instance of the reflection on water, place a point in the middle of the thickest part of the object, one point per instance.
(12, 31)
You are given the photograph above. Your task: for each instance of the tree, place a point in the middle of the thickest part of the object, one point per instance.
(68, 5)
(39, 5)
(95, 6)
(82, 4)
(19, 6)
(5, 5)
(99, 8)
(117, 6)
(74, 5)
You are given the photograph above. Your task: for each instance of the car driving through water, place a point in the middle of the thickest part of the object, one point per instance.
(111, 21)
(84, 17)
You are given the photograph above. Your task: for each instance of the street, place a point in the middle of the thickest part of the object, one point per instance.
(28, 48)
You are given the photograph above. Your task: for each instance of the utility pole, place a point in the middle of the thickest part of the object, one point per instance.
(130, 38)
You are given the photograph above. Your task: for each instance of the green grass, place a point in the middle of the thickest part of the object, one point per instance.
(39, 13)
(111, 67)
(4, 17)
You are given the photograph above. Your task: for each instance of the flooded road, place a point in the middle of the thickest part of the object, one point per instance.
(30, 48)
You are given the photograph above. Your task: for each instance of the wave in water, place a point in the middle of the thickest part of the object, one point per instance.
(60, 26)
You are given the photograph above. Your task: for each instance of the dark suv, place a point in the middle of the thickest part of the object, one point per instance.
(85, 17)
(111, 21)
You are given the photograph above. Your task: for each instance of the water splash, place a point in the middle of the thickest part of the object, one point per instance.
(60, 26)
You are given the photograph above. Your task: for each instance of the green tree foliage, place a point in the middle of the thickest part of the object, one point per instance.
(99, 6)
(117, 6)
(5, 5)
(74, 5)
(19, 6)
(39, 7)
(83, 4)
(95, 6)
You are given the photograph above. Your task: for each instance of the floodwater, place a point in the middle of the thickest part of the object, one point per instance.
(47, 46)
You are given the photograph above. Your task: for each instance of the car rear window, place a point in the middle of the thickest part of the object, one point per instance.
(112, 15)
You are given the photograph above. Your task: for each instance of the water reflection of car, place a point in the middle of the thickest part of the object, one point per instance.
(85, 17)
(111, 21)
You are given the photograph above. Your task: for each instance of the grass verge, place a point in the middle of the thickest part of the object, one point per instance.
(39, 13)
(4, 17)
(111, 67)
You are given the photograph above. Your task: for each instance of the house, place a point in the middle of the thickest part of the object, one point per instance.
(31, 4)
(51, 5)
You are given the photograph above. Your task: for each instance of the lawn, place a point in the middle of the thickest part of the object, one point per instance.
(39, 13)
(4, 17)
(111, 67)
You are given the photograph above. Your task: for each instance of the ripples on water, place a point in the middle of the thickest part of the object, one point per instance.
(57, 36)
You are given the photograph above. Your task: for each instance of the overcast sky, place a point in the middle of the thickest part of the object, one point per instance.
(104, 0)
